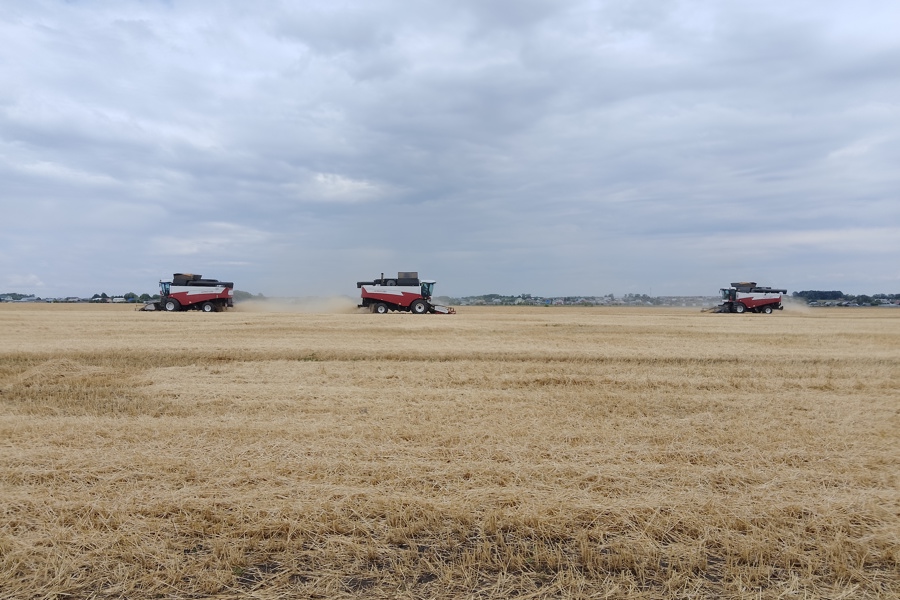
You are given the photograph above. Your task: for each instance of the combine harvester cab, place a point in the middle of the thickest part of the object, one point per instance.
(404, 293)
(746, 296)
(187, 291)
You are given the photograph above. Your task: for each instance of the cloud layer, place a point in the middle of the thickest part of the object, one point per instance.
(516, 146)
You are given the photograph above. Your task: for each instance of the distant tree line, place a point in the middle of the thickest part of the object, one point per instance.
(819, 295)
(836, 295)
(132, 297)
(129, 297)
(16, 296)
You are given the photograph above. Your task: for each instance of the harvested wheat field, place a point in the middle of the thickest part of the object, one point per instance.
(496, 453)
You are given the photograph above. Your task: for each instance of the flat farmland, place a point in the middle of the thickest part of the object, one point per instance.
(495, 453)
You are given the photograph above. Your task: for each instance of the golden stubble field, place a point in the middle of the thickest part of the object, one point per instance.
(496, 453)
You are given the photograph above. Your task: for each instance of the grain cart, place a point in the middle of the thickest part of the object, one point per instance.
(187, 291)
(746, 296)
(405, 292)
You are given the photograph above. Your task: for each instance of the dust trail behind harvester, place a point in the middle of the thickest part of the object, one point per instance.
(796, 305)
(313, 305)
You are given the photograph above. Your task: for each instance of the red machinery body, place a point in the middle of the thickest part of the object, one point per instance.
(404, 293)
(401, 296)
(187, 291)
(746, 296)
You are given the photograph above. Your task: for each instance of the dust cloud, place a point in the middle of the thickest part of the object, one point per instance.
(314, 305)
(795, 305)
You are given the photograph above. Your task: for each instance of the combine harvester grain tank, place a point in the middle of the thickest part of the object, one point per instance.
(404, 293)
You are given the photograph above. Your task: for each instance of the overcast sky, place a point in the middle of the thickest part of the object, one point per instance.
(515, 146)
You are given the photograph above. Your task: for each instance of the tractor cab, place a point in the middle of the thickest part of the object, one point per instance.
(164, 288)
(728, 294)
(427, 288)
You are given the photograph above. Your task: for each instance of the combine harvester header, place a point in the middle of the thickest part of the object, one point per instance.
(404, 293)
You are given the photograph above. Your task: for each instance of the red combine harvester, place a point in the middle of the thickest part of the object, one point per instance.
(405, 293)
(191, 292)
(746, 296)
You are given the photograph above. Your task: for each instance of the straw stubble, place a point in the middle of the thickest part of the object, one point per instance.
(495, 453)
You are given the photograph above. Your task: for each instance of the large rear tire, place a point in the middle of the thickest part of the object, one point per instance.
(418, 307)
(739, 308)
(767, 310)
(381, 308)
(208, 307)
(171, 305)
